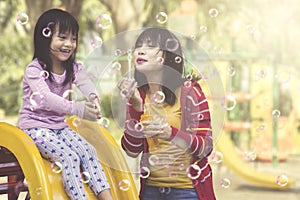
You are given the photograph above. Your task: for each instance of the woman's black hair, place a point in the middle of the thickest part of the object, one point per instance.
(45, 27)
(173, 61)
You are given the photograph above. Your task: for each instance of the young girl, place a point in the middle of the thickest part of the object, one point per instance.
(46, 86)
(168, 120)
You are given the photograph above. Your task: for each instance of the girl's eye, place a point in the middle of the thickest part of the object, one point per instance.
(62, 36)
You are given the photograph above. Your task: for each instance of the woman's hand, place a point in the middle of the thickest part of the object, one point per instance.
(128, 89)
(156, 129)
(96, 101)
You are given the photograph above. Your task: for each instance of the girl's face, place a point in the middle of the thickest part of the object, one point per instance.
(62, 46)
(148, 57)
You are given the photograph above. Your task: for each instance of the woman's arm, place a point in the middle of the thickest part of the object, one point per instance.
(132, 140)
(197, 133)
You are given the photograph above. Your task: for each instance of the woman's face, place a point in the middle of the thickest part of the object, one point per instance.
(148, 57)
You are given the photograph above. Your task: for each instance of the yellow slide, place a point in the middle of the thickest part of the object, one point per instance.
(44, 184)
(234, 162)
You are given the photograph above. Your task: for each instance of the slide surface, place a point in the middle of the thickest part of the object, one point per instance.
(233, 161)
(44, 184)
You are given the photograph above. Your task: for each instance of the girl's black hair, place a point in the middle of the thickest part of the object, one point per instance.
(52, 19)
(173, 61)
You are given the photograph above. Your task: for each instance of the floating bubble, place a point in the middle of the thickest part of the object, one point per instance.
(85, 177)
(164, 190)
(22, 18)
(250, 29)
(193, 171)
(47, 32)
(160, 60)
(144, 172)
(36, 99)
(161, 17)
(139, 127)
(178, 59)
(216, 157)
(124, 185)
(70, 95)
(56, 167)
(193, 37)
(261, 73)
(104, 21)
(203, 29)
(213, 12)
(44, 74)
(230, 71)
(96, 41)
(42, 135)
(189, 77)
(276, 114)
(171, 44)
(104, 122)
(116, 66)
(38, 191)
(76, 121)
(118, 52)
(282, 180)
(159, 97)
(153, 160)
(124, 93)
(187, 83)
(228, 102)
(225, 183)
(200, 116)
(181, 167)
(261, 128)
(250, 155)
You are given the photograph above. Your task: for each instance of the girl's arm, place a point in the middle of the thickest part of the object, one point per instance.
(51, 101)
(197, 133)
(83, 81)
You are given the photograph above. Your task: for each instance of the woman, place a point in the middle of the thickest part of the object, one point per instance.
(168, 121)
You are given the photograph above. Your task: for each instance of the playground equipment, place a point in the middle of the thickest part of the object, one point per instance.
(44, 184)
(233, 161)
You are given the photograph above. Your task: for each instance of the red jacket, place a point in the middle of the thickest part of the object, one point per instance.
(195, 130)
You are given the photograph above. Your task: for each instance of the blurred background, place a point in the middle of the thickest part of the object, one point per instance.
(254, 45)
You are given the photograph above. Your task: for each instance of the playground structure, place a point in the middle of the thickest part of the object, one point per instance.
(45, 184)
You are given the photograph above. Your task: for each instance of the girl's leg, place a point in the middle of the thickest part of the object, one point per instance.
(55, 150)
(89, 160)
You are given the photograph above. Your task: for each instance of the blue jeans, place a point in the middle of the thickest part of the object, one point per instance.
(167, 193)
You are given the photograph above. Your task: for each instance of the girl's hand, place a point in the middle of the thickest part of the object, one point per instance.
(128, 89)
(90, 113)
(156, 129)
(96, 101)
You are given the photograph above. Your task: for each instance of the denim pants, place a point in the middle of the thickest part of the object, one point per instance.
(168, 193)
